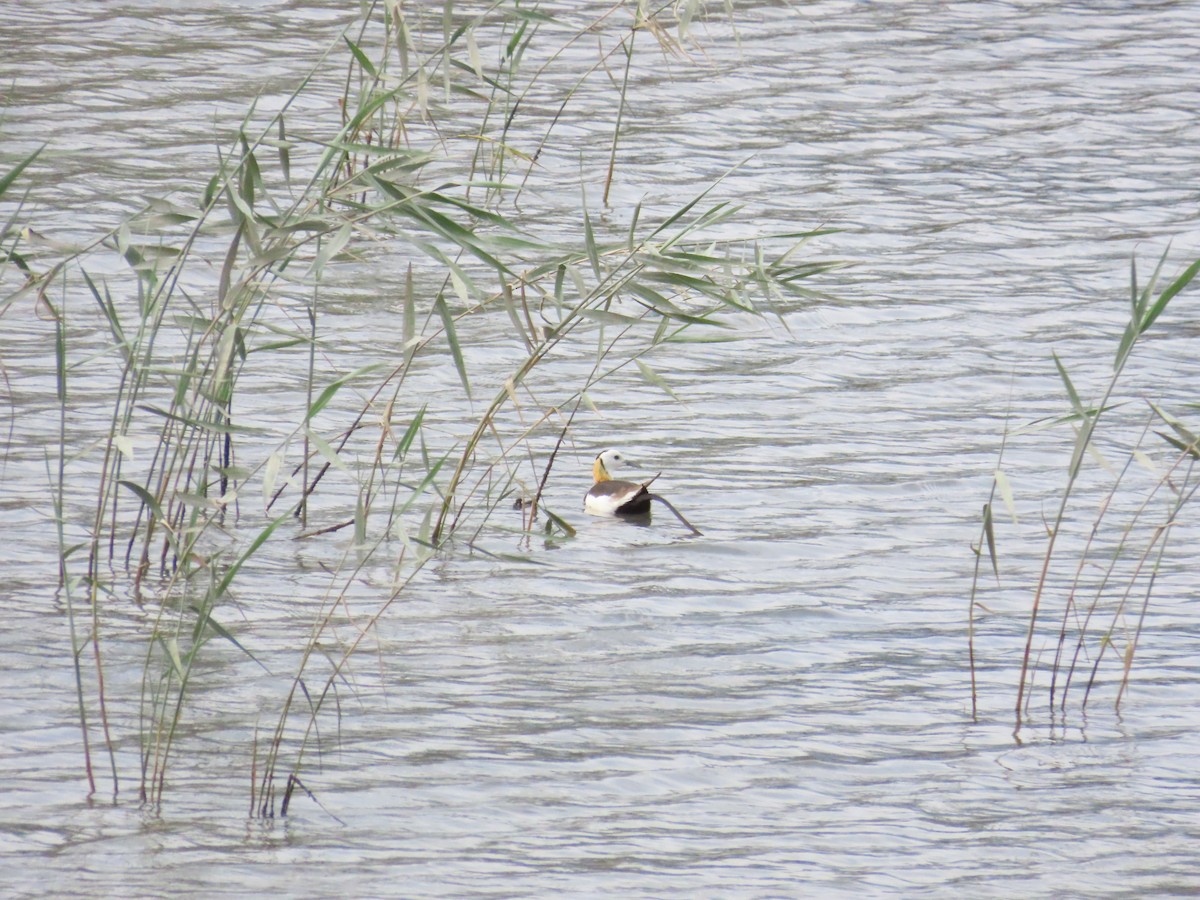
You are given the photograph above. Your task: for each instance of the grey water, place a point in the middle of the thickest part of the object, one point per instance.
(782, 706)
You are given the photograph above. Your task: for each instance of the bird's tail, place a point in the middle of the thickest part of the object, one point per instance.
(667, 503)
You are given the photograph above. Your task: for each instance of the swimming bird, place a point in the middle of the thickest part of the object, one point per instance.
(612, 497)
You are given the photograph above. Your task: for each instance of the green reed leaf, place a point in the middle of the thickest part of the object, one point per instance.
(171, 647)
(990, 533)
(326, 450)
(220, 631)
(452, 339)
(150, 501)
(1191, 448)
(231, 572)
(361, 58)
(589, 238)
(562, 524)
(1076, 403)
(604, 317)
(1142, 300)
(1168, 294)
(1006, 493)
(10, 176)
(285, 152)
(409, 327)
(271, 474)
(655, 379)
(331, 246)
(410, 434)
(334, 386)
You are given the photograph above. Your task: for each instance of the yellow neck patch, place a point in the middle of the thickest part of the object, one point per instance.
(599, 473)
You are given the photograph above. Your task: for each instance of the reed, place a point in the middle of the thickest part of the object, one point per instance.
(434, 153)
(1100, 615)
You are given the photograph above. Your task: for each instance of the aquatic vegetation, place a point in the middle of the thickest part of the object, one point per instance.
(433, 155)
(1112, 567)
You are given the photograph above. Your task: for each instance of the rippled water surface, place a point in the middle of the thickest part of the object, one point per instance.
(782, 706)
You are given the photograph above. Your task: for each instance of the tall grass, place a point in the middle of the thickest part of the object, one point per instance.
(437, 147)
(1104, 599)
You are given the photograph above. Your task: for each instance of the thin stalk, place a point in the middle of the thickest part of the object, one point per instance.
(56, 497)
(612, 153)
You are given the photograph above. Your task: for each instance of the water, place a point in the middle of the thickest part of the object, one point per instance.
(780, 707)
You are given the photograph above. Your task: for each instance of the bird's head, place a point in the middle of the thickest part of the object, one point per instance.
(607, 461)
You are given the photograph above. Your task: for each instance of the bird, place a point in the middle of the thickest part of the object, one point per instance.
(613, 497)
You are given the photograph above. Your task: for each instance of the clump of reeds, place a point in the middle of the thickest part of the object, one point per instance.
(431, 157)
(1102, 602)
